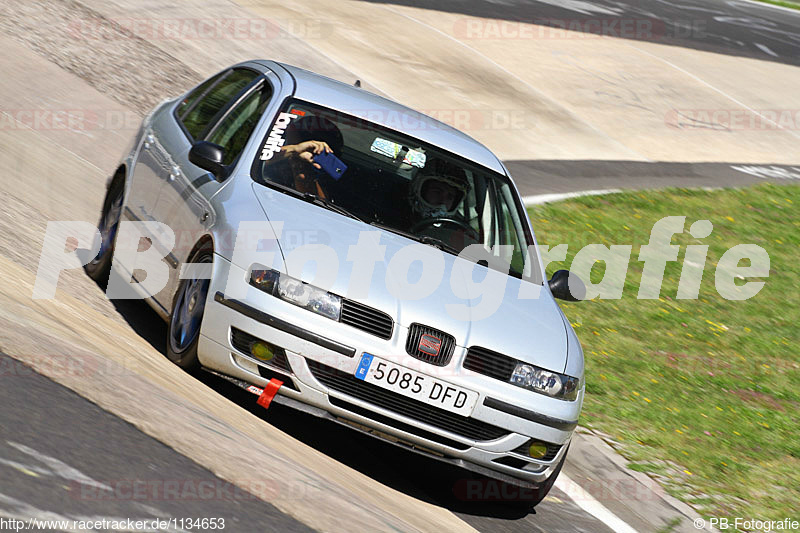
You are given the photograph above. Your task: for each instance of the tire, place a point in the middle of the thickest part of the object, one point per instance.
(99, 268)
(186, 318)
(540, 493)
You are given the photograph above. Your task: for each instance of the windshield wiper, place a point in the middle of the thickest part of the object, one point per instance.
(424, 239)
(438, 243)
(313, 199)
(328, 204)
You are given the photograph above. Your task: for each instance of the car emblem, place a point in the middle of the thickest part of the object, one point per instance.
(430, 345)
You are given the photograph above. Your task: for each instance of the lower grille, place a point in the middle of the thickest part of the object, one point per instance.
(513, 462)
(346, 383)
(366, 413)
(269, 374)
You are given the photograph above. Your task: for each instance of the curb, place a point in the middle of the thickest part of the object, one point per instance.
(669, 505)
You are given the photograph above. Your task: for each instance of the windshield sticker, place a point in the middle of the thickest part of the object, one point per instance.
(275, 140)
(415, 159)
(391, 149)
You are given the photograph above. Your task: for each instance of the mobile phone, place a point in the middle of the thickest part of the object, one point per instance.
(331, 165)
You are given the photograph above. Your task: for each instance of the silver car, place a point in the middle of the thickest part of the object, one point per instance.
(305, 223)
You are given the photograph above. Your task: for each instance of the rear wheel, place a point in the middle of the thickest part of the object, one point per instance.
(100, 267)
(183, 333)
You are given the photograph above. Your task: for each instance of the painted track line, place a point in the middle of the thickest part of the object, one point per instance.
(588, 503)
(538, 199)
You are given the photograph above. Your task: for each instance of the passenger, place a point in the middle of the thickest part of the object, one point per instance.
(306, 137)
(295, 167)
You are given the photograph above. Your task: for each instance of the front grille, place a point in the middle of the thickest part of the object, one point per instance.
(366, 319)
(490, 363)
(552, 450)
(347, 383)
(430, 345)
(244, 343)
(366, 413)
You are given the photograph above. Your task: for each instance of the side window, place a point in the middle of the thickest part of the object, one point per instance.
(235, 129)
(188, 102)
(197, 119)
(511, 229)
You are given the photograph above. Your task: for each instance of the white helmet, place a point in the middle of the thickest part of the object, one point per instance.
(421, 183)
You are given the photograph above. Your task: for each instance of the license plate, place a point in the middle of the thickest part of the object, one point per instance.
(415, 385)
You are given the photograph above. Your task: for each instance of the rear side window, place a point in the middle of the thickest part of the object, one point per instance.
(235, 129)
(188, 102)
(200, 114)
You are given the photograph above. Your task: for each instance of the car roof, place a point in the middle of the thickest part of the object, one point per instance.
(352, 100)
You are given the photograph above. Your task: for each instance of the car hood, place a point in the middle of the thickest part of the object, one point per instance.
(531, 330)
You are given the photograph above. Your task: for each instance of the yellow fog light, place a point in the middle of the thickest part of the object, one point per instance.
(537, 450)
(262, 351)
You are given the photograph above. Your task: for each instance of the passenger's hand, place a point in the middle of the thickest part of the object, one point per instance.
(306, 151)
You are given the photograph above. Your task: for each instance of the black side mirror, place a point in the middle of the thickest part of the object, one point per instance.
(567, 286)
(209, 156)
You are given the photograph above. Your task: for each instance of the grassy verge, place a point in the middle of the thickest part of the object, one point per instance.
(791, 5)
(702, 394)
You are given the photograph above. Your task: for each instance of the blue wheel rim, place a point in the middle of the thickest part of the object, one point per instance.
(188, 312)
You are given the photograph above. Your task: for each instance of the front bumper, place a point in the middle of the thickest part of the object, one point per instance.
(321, 359)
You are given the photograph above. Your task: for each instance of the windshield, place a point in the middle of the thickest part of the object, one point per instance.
(394, 182)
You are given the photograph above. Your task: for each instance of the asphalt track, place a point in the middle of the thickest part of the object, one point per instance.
(44, 417)
(736, 27)
(540, 177)
(64, 458)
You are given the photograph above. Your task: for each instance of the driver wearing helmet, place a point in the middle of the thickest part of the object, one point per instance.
(437, 196)
(438, 192)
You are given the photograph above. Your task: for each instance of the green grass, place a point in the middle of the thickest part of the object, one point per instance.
(792, 5)
(703, 394)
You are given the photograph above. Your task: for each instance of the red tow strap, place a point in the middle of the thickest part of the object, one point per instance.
(265, 398)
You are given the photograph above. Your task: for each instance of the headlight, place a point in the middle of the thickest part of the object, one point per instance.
(297, 292)
(545, 382)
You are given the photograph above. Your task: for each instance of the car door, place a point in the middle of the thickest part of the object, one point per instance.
(153, 165)
(162, 140)
(184, 203)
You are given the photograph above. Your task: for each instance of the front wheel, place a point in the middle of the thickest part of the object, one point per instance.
(183, 333)
(539, 493)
